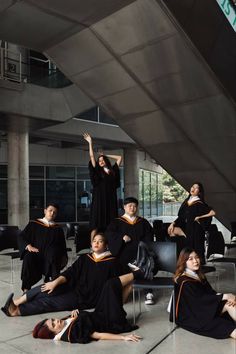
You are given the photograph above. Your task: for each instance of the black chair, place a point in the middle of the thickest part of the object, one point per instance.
(216, 251)
(166, 261)
(9, 240)
(232, 243)
(233, 231)
(158, 230)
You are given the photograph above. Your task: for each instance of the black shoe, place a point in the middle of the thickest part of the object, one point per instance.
(5, 308)
(138, 274)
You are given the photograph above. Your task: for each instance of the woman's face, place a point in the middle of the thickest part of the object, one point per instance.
(55, 325)
(193, 262)
(98, 244)
(194, 190)
(101, 161)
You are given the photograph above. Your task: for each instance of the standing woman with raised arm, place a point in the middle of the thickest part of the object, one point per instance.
(105, 180)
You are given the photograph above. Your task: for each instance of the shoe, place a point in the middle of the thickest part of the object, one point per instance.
(5, 308)
(133, 267)
(149, 299)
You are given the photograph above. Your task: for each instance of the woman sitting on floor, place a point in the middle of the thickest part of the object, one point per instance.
(199, 308)
(107, 321)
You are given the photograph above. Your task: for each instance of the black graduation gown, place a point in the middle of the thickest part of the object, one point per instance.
(139, 230)
(87, 276)
(194, 231)
(52, 256)
(198, 309)
(104, 207)
(108, 317)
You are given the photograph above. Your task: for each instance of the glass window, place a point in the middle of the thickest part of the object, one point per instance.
(36, 171)
(3, 171)
(36, 192)
(63, 194)
(147, 194)
(91, 115)
(3, 201)
(154, 194)
(60, 172)
(141, 197)
(83, 200)
(82, 172)
(104, 118)
(150, 194)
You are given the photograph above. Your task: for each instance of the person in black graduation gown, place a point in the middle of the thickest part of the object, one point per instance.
(125, 233)
(199, 308)
(43, 249)
(105, 180)
(106, 322)
(193, 220)
(77, 287)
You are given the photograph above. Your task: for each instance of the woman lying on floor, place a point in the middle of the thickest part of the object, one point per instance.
(199, 308)
(107, 321)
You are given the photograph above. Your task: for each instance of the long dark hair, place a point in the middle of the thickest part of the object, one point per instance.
(42, 331)
(201, 193)
(107, 162)
(181, 264)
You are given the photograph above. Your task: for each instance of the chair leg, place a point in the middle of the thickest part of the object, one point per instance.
(12, 269)
(134, 315)
(139, 302)
(173, 306)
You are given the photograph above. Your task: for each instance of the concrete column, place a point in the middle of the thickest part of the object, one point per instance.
(24, 179)
(18, 179)
(131, 173)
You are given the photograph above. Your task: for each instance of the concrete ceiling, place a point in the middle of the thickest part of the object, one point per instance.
(135, 61)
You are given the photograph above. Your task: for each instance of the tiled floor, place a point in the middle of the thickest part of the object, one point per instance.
(15, 333)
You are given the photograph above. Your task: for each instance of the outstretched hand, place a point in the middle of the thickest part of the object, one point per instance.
(132, 338)
(87, 137)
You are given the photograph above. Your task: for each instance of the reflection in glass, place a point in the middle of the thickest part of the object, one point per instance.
(36, 193)
(60, 172)
(3, 201)
(62, 193)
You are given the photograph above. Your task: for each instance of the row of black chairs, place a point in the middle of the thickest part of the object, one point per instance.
(9, 244)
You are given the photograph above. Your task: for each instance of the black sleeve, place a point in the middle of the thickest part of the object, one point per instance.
(24, 239)
(205, 222)
(62, 248)
(73, 272)
(180, 219)
(94, 174)
(117, 175)
(81, 330)
(148, 232)
(115, 238)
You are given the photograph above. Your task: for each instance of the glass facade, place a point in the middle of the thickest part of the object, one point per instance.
(150, 194)
(95, 114)
(70, 187)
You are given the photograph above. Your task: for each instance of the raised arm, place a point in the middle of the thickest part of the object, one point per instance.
(118, 158)
(208, 215)
(88, 138)
(111, 336)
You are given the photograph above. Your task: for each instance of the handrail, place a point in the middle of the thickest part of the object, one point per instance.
(13, 68)
(8, 72)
